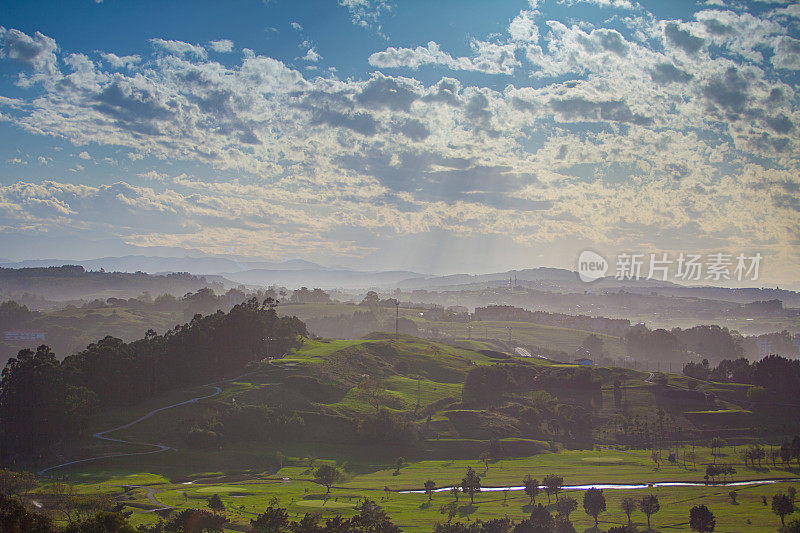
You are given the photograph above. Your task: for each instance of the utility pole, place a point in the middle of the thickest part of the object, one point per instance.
(397, 319)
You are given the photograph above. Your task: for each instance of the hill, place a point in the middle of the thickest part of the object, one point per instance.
(74, 282)
(388, 413)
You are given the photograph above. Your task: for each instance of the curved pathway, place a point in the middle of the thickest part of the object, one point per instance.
(158, 448)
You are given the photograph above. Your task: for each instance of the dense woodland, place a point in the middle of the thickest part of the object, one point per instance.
(44, 401)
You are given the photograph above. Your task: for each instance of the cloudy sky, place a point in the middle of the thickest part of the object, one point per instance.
(448, 136)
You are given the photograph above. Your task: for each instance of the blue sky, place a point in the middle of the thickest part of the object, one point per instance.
(452, 136)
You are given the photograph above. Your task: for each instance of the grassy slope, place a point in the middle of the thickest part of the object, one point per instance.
(246, 481)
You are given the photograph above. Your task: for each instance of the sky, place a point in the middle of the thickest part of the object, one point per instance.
(438, 137)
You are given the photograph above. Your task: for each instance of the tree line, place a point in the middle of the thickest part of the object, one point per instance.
(778, 376)
(44, 402)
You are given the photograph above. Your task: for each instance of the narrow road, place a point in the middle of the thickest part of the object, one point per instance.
(158, 448)
(649, 378)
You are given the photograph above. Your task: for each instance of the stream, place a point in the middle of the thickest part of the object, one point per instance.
(630, 486)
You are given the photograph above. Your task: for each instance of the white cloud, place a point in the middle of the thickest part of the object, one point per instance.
(296, 26)
(489, 57)
(37, 53)
(787, 53)
(366, 13)
(116, 61)
(312, 56)
(676, 143)
(179, 48)
(613, 4)
(84, 155)
(523, 27)
(221, 46)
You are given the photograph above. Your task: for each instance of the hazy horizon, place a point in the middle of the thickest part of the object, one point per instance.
(383, 135)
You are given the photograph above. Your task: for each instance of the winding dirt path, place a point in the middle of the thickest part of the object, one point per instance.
(158, 448)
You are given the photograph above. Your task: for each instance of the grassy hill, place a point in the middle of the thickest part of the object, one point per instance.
(254, 456)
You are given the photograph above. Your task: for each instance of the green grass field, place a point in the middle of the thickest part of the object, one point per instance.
(245, 476)
(246, 494)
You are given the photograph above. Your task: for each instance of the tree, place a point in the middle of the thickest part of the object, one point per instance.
(566, 505)
(373, 391)
(786, 452)
(371, 299)
(327, 475)
(371, 517)
(16, 483)
(701, 519)
(594, 503)
(541, 520)
(196, 520)
(215, 504)
(649, 506)
(594, 345)
(628, 506)
(430, 486)
(455, 491)
(450, 509)
(471, 483)
(272, 520)
(531, 487)
(398, 464)
(792, 527)
(782, 505)
(485, 457)
(14, 518)
(102, 522)
(552, 485)
(716, 446)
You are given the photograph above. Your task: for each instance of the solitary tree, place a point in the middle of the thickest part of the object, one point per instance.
(398, 464)
(430, 486)
(373, 391)
(531, 487)
(552, 485)
(485, 457)
(628, 506)
(566, 505)
(701, 519)
(649, 506)
(215, 503)
(716, 447)
(450, 509)
(327, 475)
(594, 503)
(782, 505)
(471, 484)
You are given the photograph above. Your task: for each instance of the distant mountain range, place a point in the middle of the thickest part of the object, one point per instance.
(293, 273)
(298, 272)
(155, 264)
